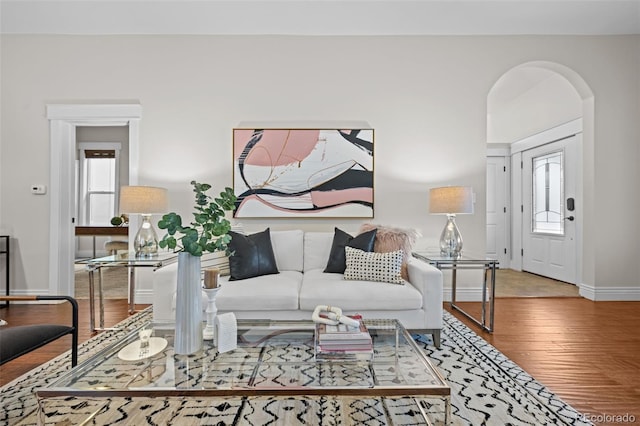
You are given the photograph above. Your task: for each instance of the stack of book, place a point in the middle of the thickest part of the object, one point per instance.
(342, 341)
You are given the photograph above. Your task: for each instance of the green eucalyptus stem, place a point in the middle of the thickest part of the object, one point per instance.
(209, 231)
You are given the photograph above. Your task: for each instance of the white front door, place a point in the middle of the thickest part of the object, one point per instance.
(550, 209)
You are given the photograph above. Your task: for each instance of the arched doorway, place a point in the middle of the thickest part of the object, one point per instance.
(531, 100)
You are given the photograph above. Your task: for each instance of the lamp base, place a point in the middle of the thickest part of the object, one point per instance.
(450, 239)
(145, 242)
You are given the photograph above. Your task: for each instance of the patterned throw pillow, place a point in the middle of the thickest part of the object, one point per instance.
(372, 266)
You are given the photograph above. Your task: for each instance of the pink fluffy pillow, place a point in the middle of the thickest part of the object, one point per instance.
(390, 239)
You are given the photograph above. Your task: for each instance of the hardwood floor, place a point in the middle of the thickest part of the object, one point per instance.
(586, 352)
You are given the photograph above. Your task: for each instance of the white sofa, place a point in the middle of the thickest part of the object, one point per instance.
(301, 285)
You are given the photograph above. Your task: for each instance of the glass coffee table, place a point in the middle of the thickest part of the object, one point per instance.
(274, 360)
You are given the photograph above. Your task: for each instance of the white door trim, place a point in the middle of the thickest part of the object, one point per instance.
(547, 136)
(63, 120)
(516, 211)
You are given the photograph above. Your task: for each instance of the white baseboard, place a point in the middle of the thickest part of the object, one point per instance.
(610, 294)
(463, 294)
(144, 296)
(164, 325)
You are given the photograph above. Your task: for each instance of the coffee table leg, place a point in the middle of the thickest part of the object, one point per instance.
(42, 420)
(446, 414)
(447, 410)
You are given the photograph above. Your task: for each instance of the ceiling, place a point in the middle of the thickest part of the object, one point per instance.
(321, 17)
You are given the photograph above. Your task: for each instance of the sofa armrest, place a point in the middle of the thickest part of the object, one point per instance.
(428, 280)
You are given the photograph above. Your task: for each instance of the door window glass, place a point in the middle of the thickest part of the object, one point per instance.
(548, 194)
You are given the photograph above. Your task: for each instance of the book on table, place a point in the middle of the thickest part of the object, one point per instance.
(335, 341)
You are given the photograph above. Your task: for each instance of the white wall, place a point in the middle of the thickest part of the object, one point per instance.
(552, 101)
(424, 96)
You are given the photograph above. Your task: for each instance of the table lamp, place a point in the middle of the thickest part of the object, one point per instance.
(144, 200)
(451, 200)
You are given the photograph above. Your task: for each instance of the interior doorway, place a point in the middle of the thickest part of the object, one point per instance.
(527, 101)
(64, 120)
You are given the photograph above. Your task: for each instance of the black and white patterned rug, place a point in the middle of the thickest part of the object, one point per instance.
(486, 389)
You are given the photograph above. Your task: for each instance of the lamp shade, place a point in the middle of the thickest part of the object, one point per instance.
(451, 200)
(143, 199)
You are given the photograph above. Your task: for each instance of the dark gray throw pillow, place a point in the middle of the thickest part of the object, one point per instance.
(252, 255)
(337, 260)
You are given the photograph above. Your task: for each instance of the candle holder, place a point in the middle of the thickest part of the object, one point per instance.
(209, 332)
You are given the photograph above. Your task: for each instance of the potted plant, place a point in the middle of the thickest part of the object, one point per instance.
(208, 232)
(121, 220)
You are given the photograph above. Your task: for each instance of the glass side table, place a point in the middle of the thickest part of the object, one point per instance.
(121, 260)
(468, 262)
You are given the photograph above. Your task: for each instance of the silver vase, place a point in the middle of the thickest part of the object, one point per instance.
(188, 338)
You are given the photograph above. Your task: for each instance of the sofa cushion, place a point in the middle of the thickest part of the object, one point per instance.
(337, 259)
(383, 267)
(252, 255)
(263, 293)
(317, 246)
(287, 248)
(321, 288)
(389, 238)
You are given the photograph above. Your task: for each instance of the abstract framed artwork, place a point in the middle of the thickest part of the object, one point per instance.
(315, 173)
